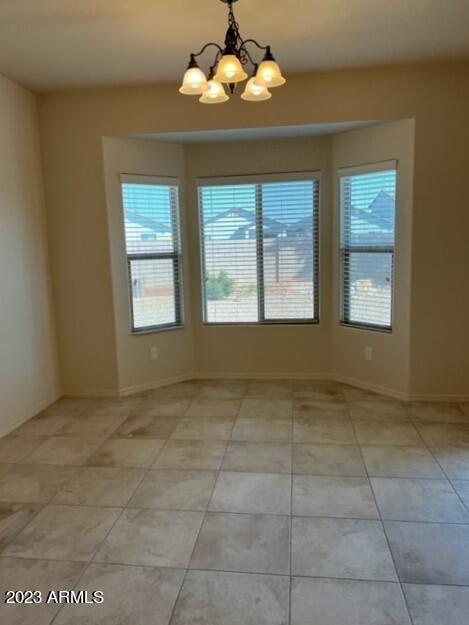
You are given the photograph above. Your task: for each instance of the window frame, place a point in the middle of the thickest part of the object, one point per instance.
(315, 176)
(176, 256)
(344, 252)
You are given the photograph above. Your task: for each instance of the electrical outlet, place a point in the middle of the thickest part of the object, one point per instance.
(368, 353)
(153, 353)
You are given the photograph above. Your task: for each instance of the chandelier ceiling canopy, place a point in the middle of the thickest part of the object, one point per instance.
(229, 68)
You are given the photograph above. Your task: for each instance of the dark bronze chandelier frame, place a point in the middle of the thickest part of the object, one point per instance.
(234, 44)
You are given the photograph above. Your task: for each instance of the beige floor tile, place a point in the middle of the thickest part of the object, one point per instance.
(437, 605)
(213, 408)
(353, 393)
(379, 411)
(371, 433)
(222, 390)
(191, 455)
(163, 407)
(258, 457)
(324, 496)
(321, 409)
(13, 518)
(328, 459)
(41, 426)
(64, 533)
(18, 448)
(269, 390)
(68, 407)
(250, 543)
(262, 429)
(152, 538)
(64, 450)
(462, 488)
(347, 602)
(147, 427)
(132, 595)
(318, 392)
(99, 486)
(266, 408)
(454, 461)
(342, 548)
(124, 406)
(261, 493)
(41, 575)
(167, 489)
(26, 483)
(430, 553)
(126, 452)
(397, 461)
(445, 435)
(333, 431)
(91, 427)
(413, 499)
(217, 598)
(437, 412)
(203, 428)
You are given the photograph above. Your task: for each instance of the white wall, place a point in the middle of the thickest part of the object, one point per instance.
(323, 350)
(389, 369)
(29, 378)
(256, 350)
(135, 370)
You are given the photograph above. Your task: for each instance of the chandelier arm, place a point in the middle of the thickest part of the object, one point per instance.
(207, 45)
(245, 51)
(256, 44)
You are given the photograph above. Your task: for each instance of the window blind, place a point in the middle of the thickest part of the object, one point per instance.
(152, 241)
(367, 238)
(260, 251)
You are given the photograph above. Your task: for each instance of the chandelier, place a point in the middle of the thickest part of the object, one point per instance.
(228, 68)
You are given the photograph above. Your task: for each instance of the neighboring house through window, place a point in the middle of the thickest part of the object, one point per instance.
(367, 240)
(259, 248)
(153, 249)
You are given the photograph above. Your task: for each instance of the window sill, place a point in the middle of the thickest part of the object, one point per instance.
(366, 328)
(156, 330)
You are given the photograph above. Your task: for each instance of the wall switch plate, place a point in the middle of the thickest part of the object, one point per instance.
(368, 353)
(153, 353)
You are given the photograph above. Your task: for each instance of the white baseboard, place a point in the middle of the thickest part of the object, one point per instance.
(261, 376)
(129, 390)
(210, 375)
(375, 388)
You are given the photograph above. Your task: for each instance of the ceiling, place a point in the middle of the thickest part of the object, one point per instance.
(266, 132)
(50, 44)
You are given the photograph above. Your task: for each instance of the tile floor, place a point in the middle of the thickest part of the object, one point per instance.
(240, 503)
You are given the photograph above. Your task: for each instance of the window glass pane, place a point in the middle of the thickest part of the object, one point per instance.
(228, 219)
(149, 216)
(368, 288)
(289, 249)
(153, 300)
(259, 251)
(152, 239)
(368, 209)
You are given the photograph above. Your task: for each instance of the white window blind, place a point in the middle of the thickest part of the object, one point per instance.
(367, 236)
(260, 251)
(152, 240)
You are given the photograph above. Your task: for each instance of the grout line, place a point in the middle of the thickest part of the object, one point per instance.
(187, 569)
(90, 561)
(384, 532)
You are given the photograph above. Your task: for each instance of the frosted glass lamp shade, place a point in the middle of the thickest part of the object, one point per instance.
(230, 70)
(215, 93)
(255, 93)
(269, 75)
(194, 82)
